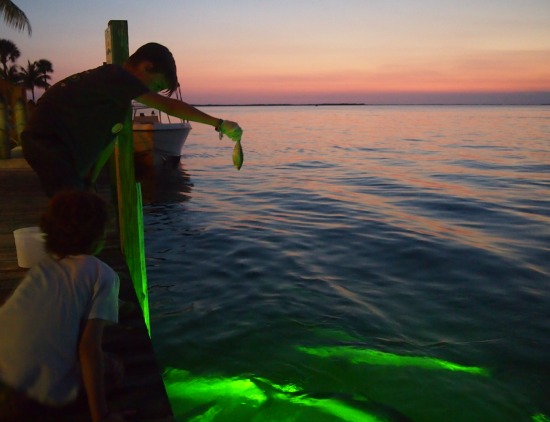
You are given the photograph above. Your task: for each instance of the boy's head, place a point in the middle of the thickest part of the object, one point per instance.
(161, 61)
(74, 223)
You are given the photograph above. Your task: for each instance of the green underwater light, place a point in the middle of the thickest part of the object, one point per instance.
(540, 417)
(267, 384)
(215, 398)
(376, 357)
(203, 389)
(337, 408)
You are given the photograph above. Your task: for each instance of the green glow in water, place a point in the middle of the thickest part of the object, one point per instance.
(221, 396)
(202, 389)
(336, 408)
(289, 388)
(375, 357)
(539, 417)
(207, 416)
(225, 394)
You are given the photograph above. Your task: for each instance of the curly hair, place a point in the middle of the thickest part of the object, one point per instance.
(74, 223)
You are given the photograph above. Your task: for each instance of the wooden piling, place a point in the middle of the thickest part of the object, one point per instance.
(128, 191)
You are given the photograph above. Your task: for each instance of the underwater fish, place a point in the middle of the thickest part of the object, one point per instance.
(238, 156)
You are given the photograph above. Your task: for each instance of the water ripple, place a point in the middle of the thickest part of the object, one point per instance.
(429, 237)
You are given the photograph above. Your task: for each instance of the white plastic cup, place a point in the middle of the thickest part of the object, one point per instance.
(30, 246)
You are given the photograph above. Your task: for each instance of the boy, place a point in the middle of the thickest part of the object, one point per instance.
(52, 325)
(71, 133)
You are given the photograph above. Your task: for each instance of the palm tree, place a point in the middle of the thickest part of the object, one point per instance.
(44, 67)
(8, 53)
(12, 75)
(36, 74)
(32, 77)
(14, 16)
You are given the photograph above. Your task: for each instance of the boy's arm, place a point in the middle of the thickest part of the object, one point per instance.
(91, 362)
(186, 111)
(176, 108)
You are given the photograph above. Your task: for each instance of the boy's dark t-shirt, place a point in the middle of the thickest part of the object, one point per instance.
(82, 112)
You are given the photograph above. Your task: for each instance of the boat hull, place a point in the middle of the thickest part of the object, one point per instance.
(166, 140)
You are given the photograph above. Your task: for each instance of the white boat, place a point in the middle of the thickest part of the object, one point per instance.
(151, 134)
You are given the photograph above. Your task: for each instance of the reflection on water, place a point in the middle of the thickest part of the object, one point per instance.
(373, 257)
(163, 182)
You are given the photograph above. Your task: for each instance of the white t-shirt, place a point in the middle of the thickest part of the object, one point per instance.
(40, 325)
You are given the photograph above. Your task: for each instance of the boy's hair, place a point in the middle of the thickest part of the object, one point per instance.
(162, 59)
(74, 222)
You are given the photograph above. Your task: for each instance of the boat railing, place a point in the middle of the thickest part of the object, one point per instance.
(139, 112)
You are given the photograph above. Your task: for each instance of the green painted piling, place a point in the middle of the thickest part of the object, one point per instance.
(128, 197)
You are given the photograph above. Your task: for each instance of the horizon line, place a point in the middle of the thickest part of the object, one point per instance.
(365, 104)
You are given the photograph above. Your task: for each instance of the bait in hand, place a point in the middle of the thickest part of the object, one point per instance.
(238, 156)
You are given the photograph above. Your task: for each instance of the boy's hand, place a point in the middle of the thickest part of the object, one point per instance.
(231, 129)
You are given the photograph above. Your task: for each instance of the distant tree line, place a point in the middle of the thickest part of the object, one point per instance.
(35, 74)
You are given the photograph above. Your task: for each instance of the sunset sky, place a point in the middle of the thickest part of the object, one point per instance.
(313, 51)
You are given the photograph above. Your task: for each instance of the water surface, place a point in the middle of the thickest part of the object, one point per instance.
(357, 256)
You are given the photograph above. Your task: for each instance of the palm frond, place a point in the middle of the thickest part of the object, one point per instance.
(14, 16)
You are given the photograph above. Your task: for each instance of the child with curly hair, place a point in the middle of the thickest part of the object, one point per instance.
(52, 325)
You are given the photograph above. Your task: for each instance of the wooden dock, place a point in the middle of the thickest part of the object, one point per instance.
(143, 391)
